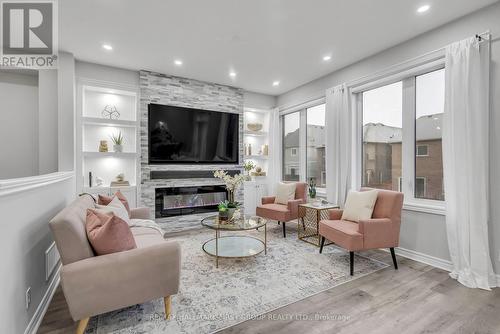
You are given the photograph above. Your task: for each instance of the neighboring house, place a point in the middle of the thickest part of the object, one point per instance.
(315, 155)
(382, 157)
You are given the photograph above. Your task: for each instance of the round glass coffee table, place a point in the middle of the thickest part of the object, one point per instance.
(235, 246)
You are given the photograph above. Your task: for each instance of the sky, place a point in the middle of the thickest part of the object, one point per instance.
(385, 104)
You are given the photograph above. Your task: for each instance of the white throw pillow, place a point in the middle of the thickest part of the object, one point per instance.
(285, 192)
(117, 208)
(359, 205)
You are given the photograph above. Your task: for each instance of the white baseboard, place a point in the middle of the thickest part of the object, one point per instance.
(37, 318)
(424, 258)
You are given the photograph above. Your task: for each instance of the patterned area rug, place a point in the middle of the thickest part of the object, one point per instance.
(211, 298)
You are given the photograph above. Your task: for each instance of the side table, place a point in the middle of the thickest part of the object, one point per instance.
(309, 216)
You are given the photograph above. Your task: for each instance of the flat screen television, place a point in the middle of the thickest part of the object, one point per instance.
(180, 135)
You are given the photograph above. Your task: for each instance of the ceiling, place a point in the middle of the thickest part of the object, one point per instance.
(261, 40)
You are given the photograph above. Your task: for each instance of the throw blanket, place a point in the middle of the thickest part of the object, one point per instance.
(146, 223)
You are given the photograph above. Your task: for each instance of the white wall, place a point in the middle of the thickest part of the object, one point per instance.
(258, 101)
(47, 122)
(106, 73)
(18, 125)
(421, 232)
(25, 237)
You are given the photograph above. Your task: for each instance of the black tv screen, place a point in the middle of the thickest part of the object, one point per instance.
(186, 135)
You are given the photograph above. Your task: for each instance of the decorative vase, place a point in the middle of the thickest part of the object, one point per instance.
(118, 148)
(103, 146)
(223, 216)
(230, 213)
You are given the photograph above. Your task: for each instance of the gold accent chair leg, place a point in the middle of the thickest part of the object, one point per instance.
(82, 325)
(167, 301)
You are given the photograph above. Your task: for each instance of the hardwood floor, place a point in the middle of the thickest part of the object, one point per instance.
(417, 298)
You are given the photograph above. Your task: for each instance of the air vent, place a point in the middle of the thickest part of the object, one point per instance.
(51, 260)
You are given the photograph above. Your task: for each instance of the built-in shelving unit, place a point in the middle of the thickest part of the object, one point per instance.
(94, 125)
(257, 188)
(257, 139)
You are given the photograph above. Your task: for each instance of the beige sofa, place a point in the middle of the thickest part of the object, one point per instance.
(97, 284)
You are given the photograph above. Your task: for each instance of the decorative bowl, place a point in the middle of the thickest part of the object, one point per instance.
(254, 126)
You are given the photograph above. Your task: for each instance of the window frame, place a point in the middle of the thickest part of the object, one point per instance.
(426, 150)
(407, 73)
(302, 150)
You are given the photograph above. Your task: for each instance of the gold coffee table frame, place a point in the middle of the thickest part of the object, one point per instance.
(234, 246)
(308, 223)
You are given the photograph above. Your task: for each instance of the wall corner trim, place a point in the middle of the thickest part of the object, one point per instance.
(12, 186)
(37, 318)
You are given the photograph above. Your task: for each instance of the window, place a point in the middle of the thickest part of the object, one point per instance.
(382, 136)
(316, 169)
(291, 152)
(401, 135)
(429, 108)
(304, 146)
(422, 150)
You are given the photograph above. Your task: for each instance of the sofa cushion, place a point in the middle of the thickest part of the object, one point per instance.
(359, 205)
(108, 233)
(68, 228)
(343, 233)
(105, 200)
(273, 211)
(115, 207)
(285, 192)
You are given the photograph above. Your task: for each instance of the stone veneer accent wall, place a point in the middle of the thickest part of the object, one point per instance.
(182, 92)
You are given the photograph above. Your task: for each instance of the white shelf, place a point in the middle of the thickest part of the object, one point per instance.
(257, 156)
(255, 133)
(108, 122)
(110, 154)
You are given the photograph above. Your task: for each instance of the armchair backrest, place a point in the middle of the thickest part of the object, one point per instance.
(68, 229)
(389, 204)
(301, 191)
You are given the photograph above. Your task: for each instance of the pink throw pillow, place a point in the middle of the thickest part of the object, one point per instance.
(105, 200)
(108, 233)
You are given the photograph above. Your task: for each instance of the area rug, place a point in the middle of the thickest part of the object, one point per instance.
(211, 298)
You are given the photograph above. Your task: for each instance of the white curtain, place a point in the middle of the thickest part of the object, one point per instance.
(465, 162)
(338, 144)
(274, 173)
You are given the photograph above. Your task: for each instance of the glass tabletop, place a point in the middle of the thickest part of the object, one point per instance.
(246, 223)
(319, 205)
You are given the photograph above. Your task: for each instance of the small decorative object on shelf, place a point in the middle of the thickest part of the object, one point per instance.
(312, 188)
(99, 181)
(120, 181)
(103, 146)
(254, 126)
(265, 149)
(248, 166)
(258, 172)
(90, 179)
(117, 142)
(110, 112)
(249, 149)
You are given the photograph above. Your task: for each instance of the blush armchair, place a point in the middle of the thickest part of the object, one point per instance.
(381, 231)
(280, 212)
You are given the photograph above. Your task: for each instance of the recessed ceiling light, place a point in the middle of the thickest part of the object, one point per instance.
(107, 47)
(232, 74)
(178, 62)
(327, 58)
(276, 83)
(423, 9)
(438, 128)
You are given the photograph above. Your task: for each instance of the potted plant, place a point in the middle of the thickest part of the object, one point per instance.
(312, 188)
(223, 211)
(248, 166)
(232, 184)
(117, 142)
